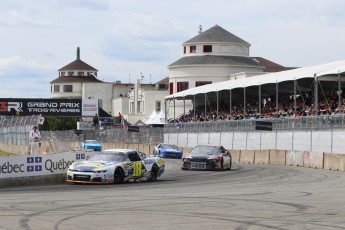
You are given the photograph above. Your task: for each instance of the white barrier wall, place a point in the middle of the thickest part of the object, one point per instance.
(315, 141)
(39, 165)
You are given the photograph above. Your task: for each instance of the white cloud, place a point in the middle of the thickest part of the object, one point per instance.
(128, 37)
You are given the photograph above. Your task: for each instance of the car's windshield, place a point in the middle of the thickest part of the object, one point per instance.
(168, 146)
(108, 156)
(205, 150)
(91, 142)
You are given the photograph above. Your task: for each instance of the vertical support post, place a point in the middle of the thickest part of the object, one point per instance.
(294, 94)
(165, 111)
(260, 100)
(174, 108)
(316, 99)
(217, 103)
(277, 93)
(339, 93)
(244, 103)
(194, 107)
(205, 105)
(230, 103)
(184, 105)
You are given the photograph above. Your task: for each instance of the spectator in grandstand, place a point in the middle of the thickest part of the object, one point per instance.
(35, 138)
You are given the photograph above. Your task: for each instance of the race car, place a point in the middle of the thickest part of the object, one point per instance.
(91, 144)
(167, 151)
(207, 157)
(116, 166)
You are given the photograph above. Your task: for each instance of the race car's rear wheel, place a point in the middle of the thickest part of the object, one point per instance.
(154, 173)
(118, 176)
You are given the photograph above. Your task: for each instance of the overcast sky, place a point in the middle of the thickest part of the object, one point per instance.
(123, 39)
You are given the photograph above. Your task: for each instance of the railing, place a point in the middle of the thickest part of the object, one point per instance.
(289, 123)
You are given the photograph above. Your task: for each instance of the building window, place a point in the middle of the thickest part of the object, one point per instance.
(184, 50)
(192, 49)
(200, 83)
(80, 73)
(70, 73)
(158, 106)
(68, 88)
(56, 88)
(182, 86)
(207, 49)
(62, 74)
(171, 88)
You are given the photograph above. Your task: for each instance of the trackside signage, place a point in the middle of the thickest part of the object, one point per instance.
(19, 166)
(50, 107)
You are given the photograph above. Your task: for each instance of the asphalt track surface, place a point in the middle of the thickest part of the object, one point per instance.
(247, 197)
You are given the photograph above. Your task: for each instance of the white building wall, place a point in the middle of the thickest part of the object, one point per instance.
(76, 94)
(102, 91)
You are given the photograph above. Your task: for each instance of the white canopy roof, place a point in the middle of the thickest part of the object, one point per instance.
(332, 68)
(156, 118)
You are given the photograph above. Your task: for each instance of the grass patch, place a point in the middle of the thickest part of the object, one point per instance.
(3, 153)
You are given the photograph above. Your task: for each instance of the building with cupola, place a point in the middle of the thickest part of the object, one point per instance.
(211, 56)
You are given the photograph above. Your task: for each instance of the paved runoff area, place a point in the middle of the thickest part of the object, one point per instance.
(250, 196)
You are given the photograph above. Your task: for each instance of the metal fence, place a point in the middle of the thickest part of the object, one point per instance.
(146, 135)
(15, 129)
(288, 123)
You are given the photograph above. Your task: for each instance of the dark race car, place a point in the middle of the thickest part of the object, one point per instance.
(167, 151)
(207, 157)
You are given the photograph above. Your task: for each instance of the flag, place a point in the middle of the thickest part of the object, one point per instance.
(40, 120)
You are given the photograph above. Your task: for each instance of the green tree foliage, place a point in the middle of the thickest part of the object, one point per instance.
(59, 123)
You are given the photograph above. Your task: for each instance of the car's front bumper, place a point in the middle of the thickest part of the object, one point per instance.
(89, 178)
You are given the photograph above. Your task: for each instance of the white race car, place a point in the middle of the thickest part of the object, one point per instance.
(116, 166)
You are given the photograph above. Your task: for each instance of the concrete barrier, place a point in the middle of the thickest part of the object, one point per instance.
(262, 156)
(247, 156)
(32, 180)
(334, 161)
(313, 159)
(277, 157)
(295, 158)
(235, 155)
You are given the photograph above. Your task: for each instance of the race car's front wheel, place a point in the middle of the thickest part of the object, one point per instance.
(118, 176)
(154, 173)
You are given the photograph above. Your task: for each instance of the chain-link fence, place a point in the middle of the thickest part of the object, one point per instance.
(288, 123)
(146, 135)
(15, 130)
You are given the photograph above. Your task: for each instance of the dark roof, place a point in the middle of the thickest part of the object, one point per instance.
(163, 81)
(271, 66)
(216, 60)
(77, 65)
(66, 79)
(216, 34)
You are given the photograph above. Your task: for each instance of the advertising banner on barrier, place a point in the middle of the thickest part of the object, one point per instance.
(51, 107)
(19, 166)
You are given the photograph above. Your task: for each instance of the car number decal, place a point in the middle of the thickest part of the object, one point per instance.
(137, 168)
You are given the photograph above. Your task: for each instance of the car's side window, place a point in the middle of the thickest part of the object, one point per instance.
(133, 156)
(142, 155)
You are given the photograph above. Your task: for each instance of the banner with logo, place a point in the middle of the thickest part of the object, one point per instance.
(48, 107)
(19, 166)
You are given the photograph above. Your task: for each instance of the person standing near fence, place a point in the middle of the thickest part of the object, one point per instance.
(35, 138)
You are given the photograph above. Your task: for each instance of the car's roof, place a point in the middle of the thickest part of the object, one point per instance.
(211, 146)
(119, 150)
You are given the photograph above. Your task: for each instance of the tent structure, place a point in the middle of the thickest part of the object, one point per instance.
(289, 82)
(156, 118)
(317, 71)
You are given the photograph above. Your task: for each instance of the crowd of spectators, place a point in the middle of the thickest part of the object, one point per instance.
(286, 108)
